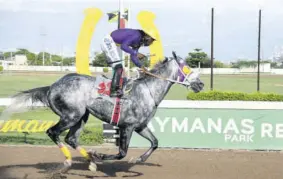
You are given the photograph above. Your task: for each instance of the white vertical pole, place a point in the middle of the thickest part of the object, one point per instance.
(121, 14)
(129, 15)
(50, 58)
(43, 59)
(62, 57)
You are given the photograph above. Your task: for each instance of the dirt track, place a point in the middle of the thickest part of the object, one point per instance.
(40, 162)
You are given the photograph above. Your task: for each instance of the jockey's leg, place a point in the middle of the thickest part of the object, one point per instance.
(146, 133)
(116, 86)
(110, 49)
(125, 137)
(54, 132)
(73, 136)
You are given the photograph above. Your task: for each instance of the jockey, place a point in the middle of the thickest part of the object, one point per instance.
(129, 40)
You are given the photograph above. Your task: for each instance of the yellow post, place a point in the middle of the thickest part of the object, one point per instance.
(93, 15)
(146, 20)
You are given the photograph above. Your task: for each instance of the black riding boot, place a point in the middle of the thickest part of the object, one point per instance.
(116, 87)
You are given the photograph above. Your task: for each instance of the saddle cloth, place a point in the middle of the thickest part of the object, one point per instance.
(103, 90)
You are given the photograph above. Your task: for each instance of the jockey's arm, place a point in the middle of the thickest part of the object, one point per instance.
(125, 46)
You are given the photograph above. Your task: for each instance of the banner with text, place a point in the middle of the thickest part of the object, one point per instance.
(216, 128)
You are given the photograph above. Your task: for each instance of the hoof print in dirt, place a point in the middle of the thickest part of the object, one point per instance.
(56, 175)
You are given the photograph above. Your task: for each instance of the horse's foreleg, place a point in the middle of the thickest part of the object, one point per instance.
(146, 133)
(125, 136)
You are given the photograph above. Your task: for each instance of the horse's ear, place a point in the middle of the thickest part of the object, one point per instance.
(166, 60)
(174, 55)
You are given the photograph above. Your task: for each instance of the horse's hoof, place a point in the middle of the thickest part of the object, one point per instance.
(62, 168)
(92, 167)
(95, 157)
(67, 165)
(91, 151)
(135, 160)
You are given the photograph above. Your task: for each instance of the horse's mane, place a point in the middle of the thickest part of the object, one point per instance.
(157, 68)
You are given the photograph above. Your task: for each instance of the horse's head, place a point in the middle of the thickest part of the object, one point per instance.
(184, 74)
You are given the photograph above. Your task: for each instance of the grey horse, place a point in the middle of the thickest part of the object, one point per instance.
(74, 96)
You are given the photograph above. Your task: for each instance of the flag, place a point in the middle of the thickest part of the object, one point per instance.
(125, 15)
(113, 16)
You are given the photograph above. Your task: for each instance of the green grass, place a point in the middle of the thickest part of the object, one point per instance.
(11, 84)
(43, 114)
(237, 83)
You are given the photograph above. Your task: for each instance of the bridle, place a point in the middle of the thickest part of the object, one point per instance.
(173, 81)
(168, 79)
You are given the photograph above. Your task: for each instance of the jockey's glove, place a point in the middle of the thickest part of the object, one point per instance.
(144, 69)
(141, 56)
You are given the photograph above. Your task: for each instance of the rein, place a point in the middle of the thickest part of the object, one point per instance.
(166, 79)
(160, 77)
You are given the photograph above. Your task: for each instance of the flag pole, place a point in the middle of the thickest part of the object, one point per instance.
(121, 25)
(258, 51)
(212, 49)
(119, 14)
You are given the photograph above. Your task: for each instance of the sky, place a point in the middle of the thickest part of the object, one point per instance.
(183, 25)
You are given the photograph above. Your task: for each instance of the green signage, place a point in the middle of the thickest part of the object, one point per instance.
(216, 128)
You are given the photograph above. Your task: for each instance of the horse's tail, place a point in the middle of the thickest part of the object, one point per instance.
(24, 99)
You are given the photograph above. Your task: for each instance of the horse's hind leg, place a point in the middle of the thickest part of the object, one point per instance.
(73, 136)
(65, 123)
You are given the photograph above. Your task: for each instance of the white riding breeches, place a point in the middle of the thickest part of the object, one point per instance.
(109, 47)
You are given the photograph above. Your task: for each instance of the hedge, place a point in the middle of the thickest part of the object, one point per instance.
(91, 136)
(105, 70)
(234, 96)
(1, 68)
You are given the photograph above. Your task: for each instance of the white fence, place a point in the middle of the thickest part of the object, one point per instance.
(277, 71)
(100, 69)
(51, 68)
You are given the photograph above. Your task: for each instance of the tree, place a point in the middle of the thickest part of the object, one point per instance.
(69, 61)
(57, 60)
(218, 64)
(145, 62)
(1, 56)
(196, 57)
(47, 60)
(247, 63)
(100, 60)
(8, 54)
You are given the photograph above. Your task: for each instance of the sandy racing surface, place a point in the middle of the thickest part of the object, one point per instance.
(41, 162)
